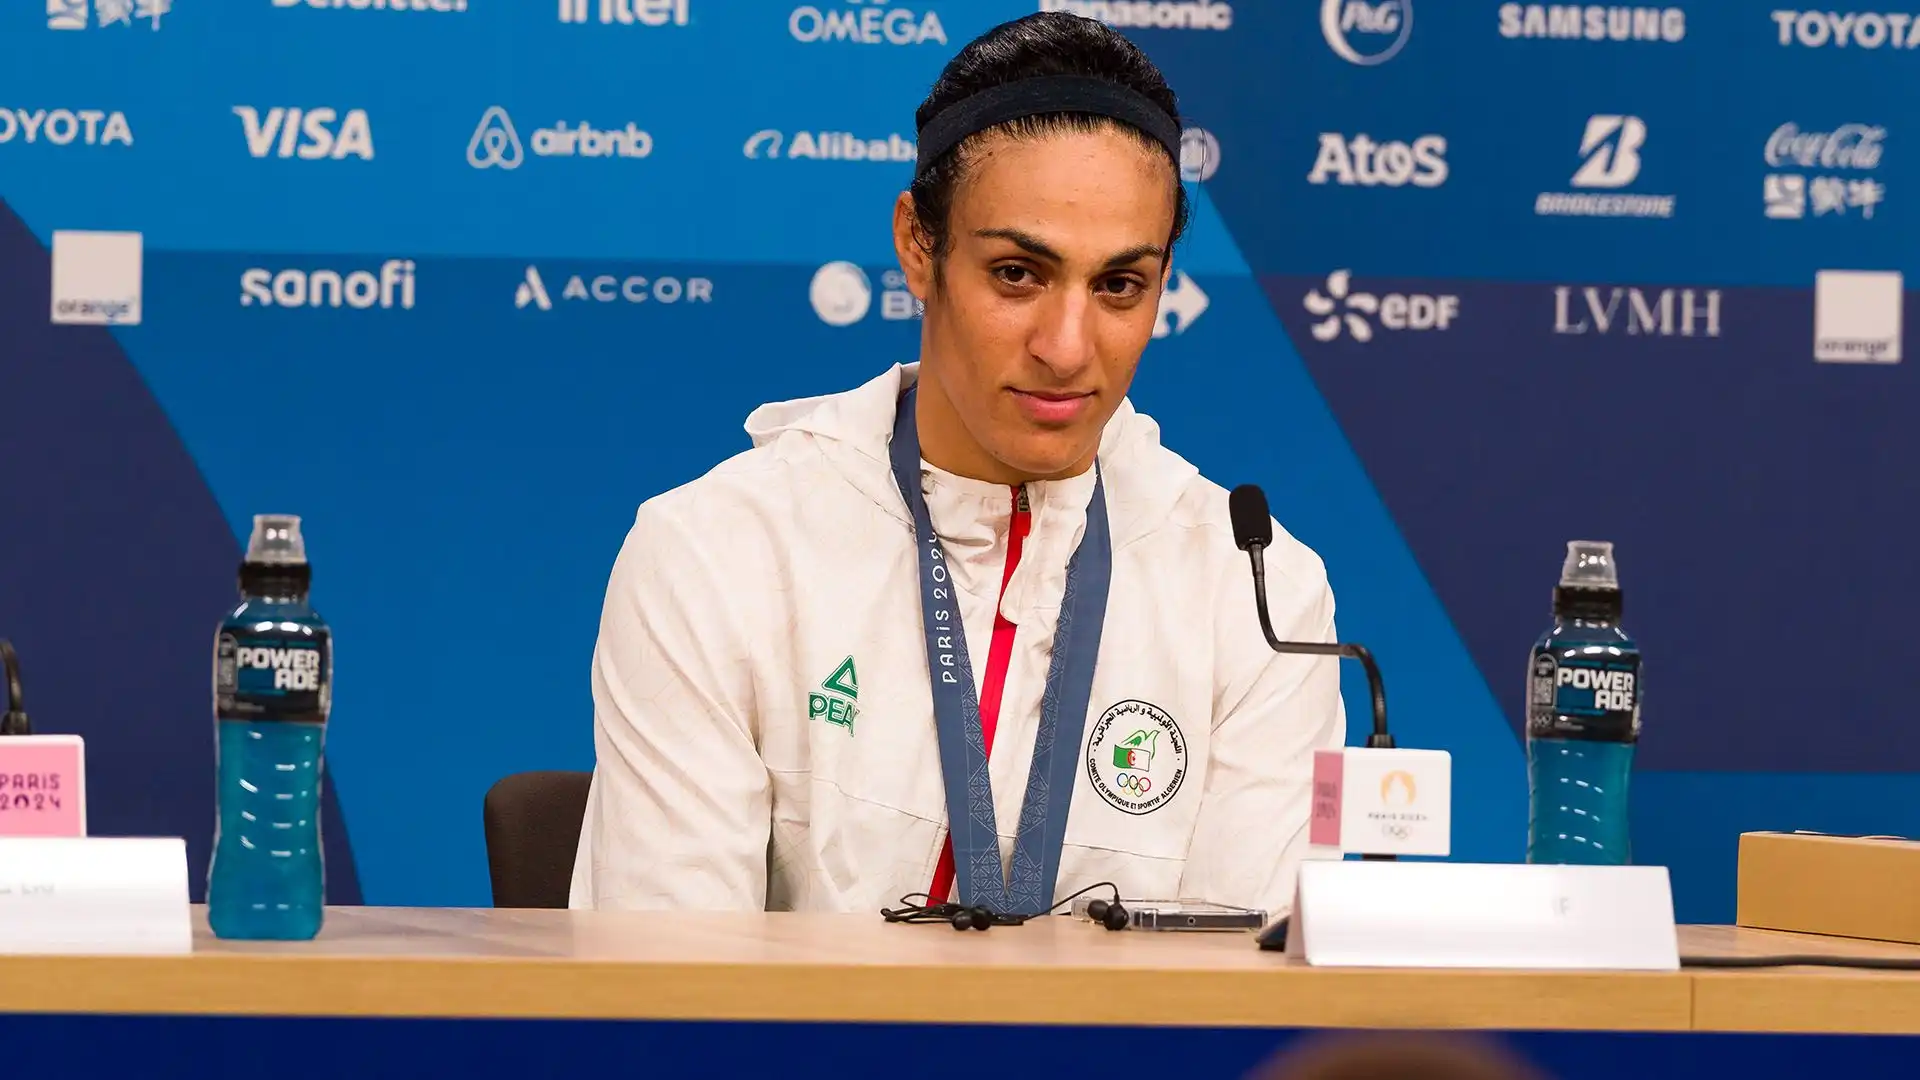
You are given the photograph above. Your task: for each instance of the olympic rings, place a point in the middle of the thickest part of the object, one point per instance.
(1133, 782)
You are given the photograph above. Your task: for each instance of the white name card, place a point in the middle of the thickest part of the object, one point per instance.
(1478, 915)
(1381, 802)
(94, 895)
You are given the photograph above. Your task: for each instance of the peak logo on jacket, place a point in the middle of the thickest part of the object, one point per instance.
(1136, 757)
(837, 704)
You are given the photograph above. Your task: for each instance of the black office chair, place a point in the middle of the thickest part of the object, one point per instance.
(533, 830)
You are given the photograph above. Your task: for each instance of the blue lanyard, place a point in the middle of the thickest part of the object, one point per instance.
(956, 705)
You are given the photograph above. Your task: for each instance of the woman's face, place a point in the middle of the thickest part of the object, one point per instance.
(1047, 295)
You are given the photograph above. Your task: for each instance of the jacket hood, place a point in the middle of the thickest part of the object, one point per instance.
(852, 430)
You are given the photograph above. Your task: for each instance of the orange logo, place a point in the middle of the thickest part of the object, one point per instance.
(1397, 779)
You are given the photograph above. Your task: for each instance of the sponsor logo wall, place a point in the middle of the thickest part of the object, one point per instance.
(486, 276)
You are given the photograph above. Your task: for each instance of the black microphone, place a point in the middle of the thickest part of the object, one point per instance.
(15, 720)
(1252, 532)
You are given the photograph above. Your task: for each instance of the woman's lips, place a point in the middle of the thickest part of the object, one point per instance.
(1051, 407)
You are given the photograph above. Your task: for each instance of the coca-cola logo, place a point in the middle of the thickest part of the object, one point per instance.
(1849, 146)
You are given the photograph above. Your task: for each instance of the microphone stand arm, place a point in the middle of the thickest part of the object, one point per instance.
(1380, 739)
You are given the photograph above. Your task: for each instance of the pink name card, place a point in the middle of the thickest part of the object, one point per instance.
(1329, 775)
(43, 782)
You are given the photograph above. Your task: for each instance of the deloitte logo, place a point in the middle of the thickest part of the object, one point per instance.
(496, 143)
(1366, 34)
(828, 146)
(842, 294)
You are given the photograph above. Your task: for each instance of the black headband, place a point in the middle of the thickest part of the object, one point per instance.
(1039, 95)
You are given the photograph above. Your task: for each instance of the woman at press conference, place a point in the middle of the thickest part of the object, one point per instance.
(980, 566)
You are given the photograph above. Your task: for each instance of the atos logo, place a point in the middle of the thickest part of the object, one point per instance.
(1360, 160)
(310, 134)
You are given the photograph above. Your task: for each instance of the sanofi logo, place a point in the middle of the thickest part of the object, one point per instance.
(1366, 33)
(310, 134)
(390, 286)
(865, 22)
(496, 143)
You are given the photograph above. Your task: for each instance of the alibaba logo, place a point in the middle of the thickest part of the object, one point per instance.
(1401, 779)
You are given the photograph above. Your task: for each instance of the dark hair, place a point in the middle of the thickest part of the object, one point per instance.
(1044, 43)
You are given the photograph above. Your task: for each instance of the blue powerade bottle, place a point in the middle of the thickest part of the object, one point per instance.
(1583, 717)
(272, 690)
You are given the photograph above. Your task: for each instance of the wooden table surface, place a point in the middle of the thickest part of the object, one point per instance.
(479, 962)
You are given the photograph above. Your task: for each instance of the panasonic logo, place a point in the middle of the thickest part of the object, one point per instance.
(1150, 14)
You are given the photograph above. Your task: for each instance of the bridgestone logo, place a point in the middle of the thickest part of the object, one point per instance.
(1576, 205)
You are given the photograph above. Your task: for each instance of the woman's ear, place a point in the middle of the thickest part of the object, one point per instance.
(909, 246)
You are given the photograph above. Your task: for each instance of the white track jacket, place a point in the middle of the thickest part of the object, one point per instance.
(763, 724)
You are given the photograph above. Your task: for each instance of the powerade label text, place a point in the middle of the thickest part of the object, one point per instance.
(271, 676)
(1571, 695)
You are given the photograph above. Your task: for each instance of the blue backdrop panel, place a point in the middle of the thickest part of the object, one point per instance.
(576, 242)
(297, 1049)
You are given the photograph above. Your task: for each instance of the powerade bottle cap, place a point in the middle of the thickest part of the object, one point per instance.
(276, 562)
(276, 541)
(1589, 583)
(1589, 564)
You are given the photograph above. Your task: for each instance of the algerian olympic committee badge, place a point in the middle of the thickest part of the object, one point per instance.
(1136, 757)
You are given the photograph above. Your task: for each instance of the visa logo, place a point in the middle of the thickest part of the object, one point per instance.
(306, 133)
